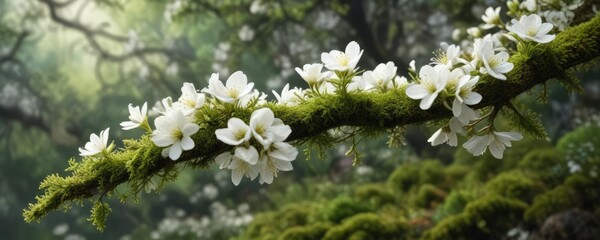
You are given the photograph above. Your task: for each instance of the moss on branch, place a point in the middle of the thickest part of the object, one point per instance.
(140, 159)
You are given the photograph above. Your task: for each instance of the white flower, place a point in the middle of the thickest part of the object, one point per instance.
(289, 97)
(411, 66)
(432, 82)
(246, 33)
(236, 87)
(173, 131)
(327, 87)
(277, 158)
(97, 144)
(343, 61)
(257, 97)
(573, 167)
(443, 135)
(257, 7)
(400, 81)
(236, 133)
(474, 32)
(242, 163)
(448, 58)
(560, 19)
(190, 99)
(464, 96)
(267, 129)
(137, 117)
(495, 63)
(381, 77)
(357, 83)
(531, 28)
(530, 5)
(496, 141)
(491, 18)
(162, 107)
(311, 73)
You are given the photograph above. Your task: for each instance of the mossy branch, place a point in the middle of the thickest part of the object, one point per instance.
(140, 160)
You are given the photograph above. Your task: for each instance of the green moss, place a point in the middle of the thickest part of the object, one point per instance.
(415, 174)
(455, 173)
(368, 224)
(270, 225)
(311, 231)
(578, 191)
(374, 194)
(404, 177)
(454, 203)
(429, 195)
(343, 207)
(514, 184)
(545, 164)
(489, 217)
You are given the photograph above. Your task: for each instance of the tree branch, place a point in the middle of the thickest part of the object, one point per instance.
(92, 34)
(13, 51)
(141, 159)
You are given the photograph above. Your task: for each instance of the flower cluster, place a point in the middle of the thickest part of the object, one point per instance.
(175, 125)
(269, 154)
(453, 75)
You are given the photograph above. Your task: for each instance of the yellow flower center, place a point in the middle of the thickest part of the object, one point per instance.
(531, 31)
(343, 59)
(177, 134)
(240, 134)
(233, 92)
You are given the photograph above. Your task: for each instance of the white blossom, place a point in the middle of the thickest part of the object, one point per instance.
(560, 19)
(190, 99)
(311, 73)
(447, 58)
(173, 131)
(381, 77)
(474, 32)
(495, 64)
(277, 158)
(531, 28)
(464, 96)
(289, 97)
(137, 117)
(267, 129)
(337, 60)
(529, 5)
(235, 87)
(432, 81)
(400, 81)
(257, 7)
(246, 33)
(242, 163)
(260, 98)
(236, 133)
(491, 17)
(443, 135)
(495, 141)
(97, 144)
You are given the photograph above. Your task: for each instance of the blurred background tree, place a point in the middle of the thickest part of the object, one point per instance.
(67, 68)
